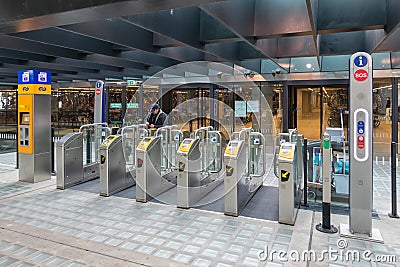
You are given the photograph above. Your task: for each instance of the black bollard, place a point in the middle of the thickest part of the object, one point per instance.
(393, 151)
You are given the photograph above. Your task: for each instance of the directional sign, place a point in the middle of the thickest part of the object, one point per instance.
(130, 82)
(285, 176)
(115, 105)
(360, 61)
(132, 105)
(229, 170)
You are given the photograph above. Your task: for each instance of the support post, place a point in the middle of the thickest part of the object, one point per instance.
(305, 172)
(52, 151)
(286, 107)
(16, 133)
(395, 119)
(326, 226)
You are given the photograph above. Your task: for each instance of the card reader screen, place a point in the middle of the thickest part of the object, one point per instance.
(186, 142)
(234, 144)
(147, 139)
(286, 147)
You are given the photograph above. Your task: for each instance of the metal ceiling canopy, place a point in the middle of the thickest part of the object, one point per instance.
(111, 38)
(28, 15)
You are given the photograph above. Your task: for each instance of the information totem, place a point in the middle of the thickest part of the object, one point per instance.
(34, 125)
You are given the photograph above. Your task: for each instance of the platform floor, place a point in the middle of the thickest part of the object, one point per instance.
(43, 226)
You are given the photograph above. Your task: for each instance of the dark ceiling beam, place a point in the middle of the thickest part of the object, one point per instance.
(85, 64)
(387, 38)
(312, 9)
(182, 53)
(160, 41)
(30, 60)
(26, 56)
(114, 61)
(342, 43)
(18, 44)
(391, 42)
(28, 15)
(238, 17)
(63, 38)
(15, 43)
(211, 31)
(30, 64)
(116, 31)
(17, 67)
(148, 58)
(354, 15)
(66, 39)
(23, 55)
(125, 34)
(181, 25)
(281, 18)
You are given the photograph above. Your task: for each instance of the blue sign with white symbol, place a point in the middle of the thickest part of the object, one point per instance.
(360, 61)
(99, 84)
(34, 77)
(360, 127)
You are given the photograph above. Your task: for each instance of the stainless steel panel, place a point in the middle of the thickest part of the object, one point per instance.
(42, 167)
(41, 124)
(189, 175)
(361, 168)
(69, 153)
(148, 175)
(90, 172)
(26, 171)
(232, 183)
(113, 174)
(34, 168)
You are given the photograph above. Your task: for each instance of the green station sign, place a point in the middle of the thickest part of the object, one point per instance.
(115, 105)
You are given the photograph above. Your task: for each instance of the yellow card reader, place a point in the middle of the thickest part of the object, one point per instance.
(186, 145)
(144, 144)
(232, 148)
(107, 142)
(287, 151)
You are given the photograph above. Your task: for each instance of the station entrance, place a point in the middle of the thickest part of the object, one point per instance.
(314, 108)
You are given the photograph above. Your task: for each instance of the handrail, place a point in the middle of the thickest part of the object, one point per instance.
(244, 130)
(233, 136)
(291, 133)
(205, 128)
(104, 124)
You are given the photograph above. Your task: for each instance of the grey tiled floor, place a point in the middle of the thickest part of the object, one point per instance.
(193, 237)
(190, 237)
(14, 254)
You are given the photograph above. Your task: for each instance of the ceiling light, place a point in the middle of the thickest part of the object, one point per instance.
(308, 65)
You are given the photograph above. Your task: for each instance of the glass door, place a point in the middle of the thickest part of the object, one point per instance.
(307, 112)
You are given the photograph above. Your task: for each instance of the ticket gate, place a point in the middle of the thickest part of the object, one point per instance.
(288, 167)
(114, 174)
(155, 171)
(78, 156)
(244, 160)
(200, 166)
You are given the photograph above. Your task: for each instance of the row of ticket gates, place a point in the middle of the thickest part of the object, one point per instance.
(158, 160)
